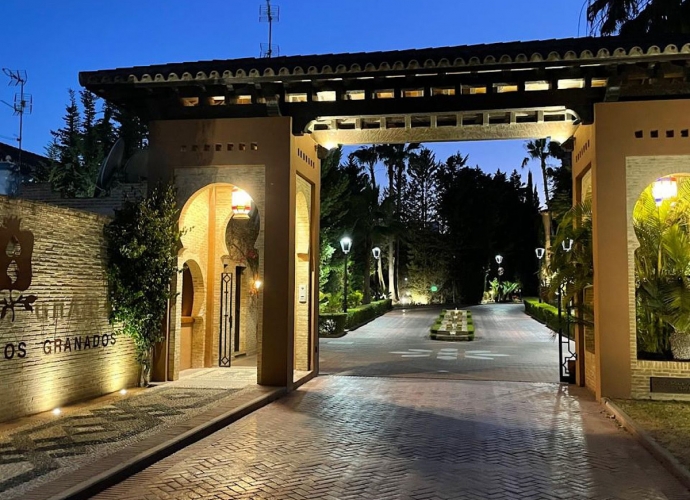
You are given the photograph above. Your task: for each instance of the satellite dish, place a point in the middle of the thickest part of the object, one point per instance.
(111, 164)
(137, 167)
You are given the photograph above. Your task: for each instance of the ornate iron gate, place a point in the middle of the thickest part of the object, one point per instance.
(225, 333)
(566, 356)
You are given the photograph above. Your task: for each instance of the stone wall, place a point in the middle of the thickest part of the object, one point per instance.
(302, 273)
(104, 205)
(64, 350)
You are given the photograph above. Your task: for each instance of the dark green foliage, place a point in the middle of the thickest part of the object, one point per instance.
(360, 315)
(79, 148)
(485, 215)
(639, 17)
(354, 318)
(548, 315)
(142, 243)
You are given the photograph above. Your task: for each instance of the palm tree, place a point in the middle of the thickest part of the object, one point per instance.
(395, 158)
(367, 157)
(638, 17)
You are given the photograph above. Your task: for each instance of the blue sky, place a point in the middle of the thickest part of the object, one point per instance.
(54, 40)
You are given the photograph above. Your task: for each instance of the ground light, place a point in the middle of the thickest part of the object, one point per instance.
(123, 391)
(57, 411)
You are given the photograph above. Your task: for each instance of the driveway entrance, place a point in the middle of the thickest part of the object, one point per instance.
(508, 346)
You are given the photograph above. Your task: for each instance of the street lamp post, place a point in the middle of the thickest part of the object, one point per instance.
(540, 255)
(346, 246)
(376, 251)
(567, 246)
(499, 260)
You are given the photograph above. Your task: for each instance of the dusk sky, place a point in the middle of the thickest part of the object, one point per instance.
(54, 40)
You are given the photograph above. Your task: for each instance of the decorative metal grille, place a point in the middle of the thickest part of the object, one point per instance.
(225, 333)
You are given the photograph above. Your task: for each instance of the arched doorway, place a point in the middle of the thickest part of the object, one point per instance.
(217, 321)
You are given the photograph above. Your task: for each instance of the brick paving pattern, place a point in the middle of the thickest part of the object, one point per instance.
(393, 438)
(508, 346)
(89, 438)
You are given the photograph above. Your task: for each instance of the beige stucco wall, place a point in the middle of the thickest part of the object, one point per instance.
(612, 141)
(261, 156)
(70, 287)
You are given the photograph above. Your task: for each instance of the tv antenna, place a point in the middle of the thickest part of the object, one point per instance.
(23, 103)
(269, 14)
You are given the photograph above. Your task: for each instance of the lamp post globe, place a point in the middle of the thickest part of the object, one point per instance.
(376, 251)
(499, 259)
(346, 246)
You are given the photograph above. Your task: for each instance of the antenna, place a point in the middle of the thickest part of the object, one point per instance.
(23, 103)
(269, 14)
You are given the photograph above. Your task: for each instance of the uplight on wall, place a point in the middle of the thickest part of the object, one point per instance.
(257, 284)
(664, 188)
(241, 204)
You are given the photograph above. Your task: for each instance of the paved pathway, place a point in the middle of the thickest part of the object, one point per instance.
(508, 345)
(394, 437)
(376, 438)
(43, 454)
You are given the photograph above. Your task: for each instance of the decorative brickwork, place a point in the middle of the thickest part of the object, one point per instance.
(302, 272)
(64, 350)
(640, 173)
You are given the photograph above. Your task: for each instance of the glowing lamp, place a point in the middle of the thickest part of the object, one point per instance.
(346, 245)
(499, 259)
(57, 411)
(257, 284)
(664, 188)
(241, 204)
(540, 253)
(377, 252)
(567, 245)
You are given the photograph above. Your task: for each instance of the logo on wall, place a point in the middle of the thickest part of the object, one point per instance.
(16, 249)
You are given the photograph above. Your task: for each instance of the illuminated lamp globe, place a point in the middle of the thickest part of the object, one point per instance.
(567, 245)
(664, 188)
(241, 204)
(346, 244)
(499, 259)
(540, 252)
(377, 252)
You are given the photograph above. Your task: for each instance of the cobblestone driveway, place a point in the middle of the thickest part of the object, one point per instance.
(375, 438)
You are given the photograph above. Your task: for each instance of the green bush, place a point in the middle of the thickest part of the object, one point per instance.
(332, 324)
(362, 314)
(548, 315)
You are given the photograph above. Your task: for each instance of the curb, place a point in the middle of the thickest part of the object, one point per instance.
(655, 449)
(111, 477)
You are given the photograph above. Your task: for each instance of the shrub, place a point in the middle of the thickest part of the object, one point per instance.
(332, 324)
(548, 315)
(362, 314)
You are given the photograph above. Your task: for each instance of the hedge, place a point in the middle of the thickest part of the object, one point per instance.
(547, 314)
(334, 324)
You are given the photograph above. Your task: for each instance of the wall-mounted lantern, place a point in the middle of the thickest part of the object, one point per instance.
(241, 204)
(664, 188)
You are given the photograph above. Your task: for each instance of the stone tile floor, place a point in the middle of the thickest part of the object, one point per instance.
(38, 449)
(399, 438)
